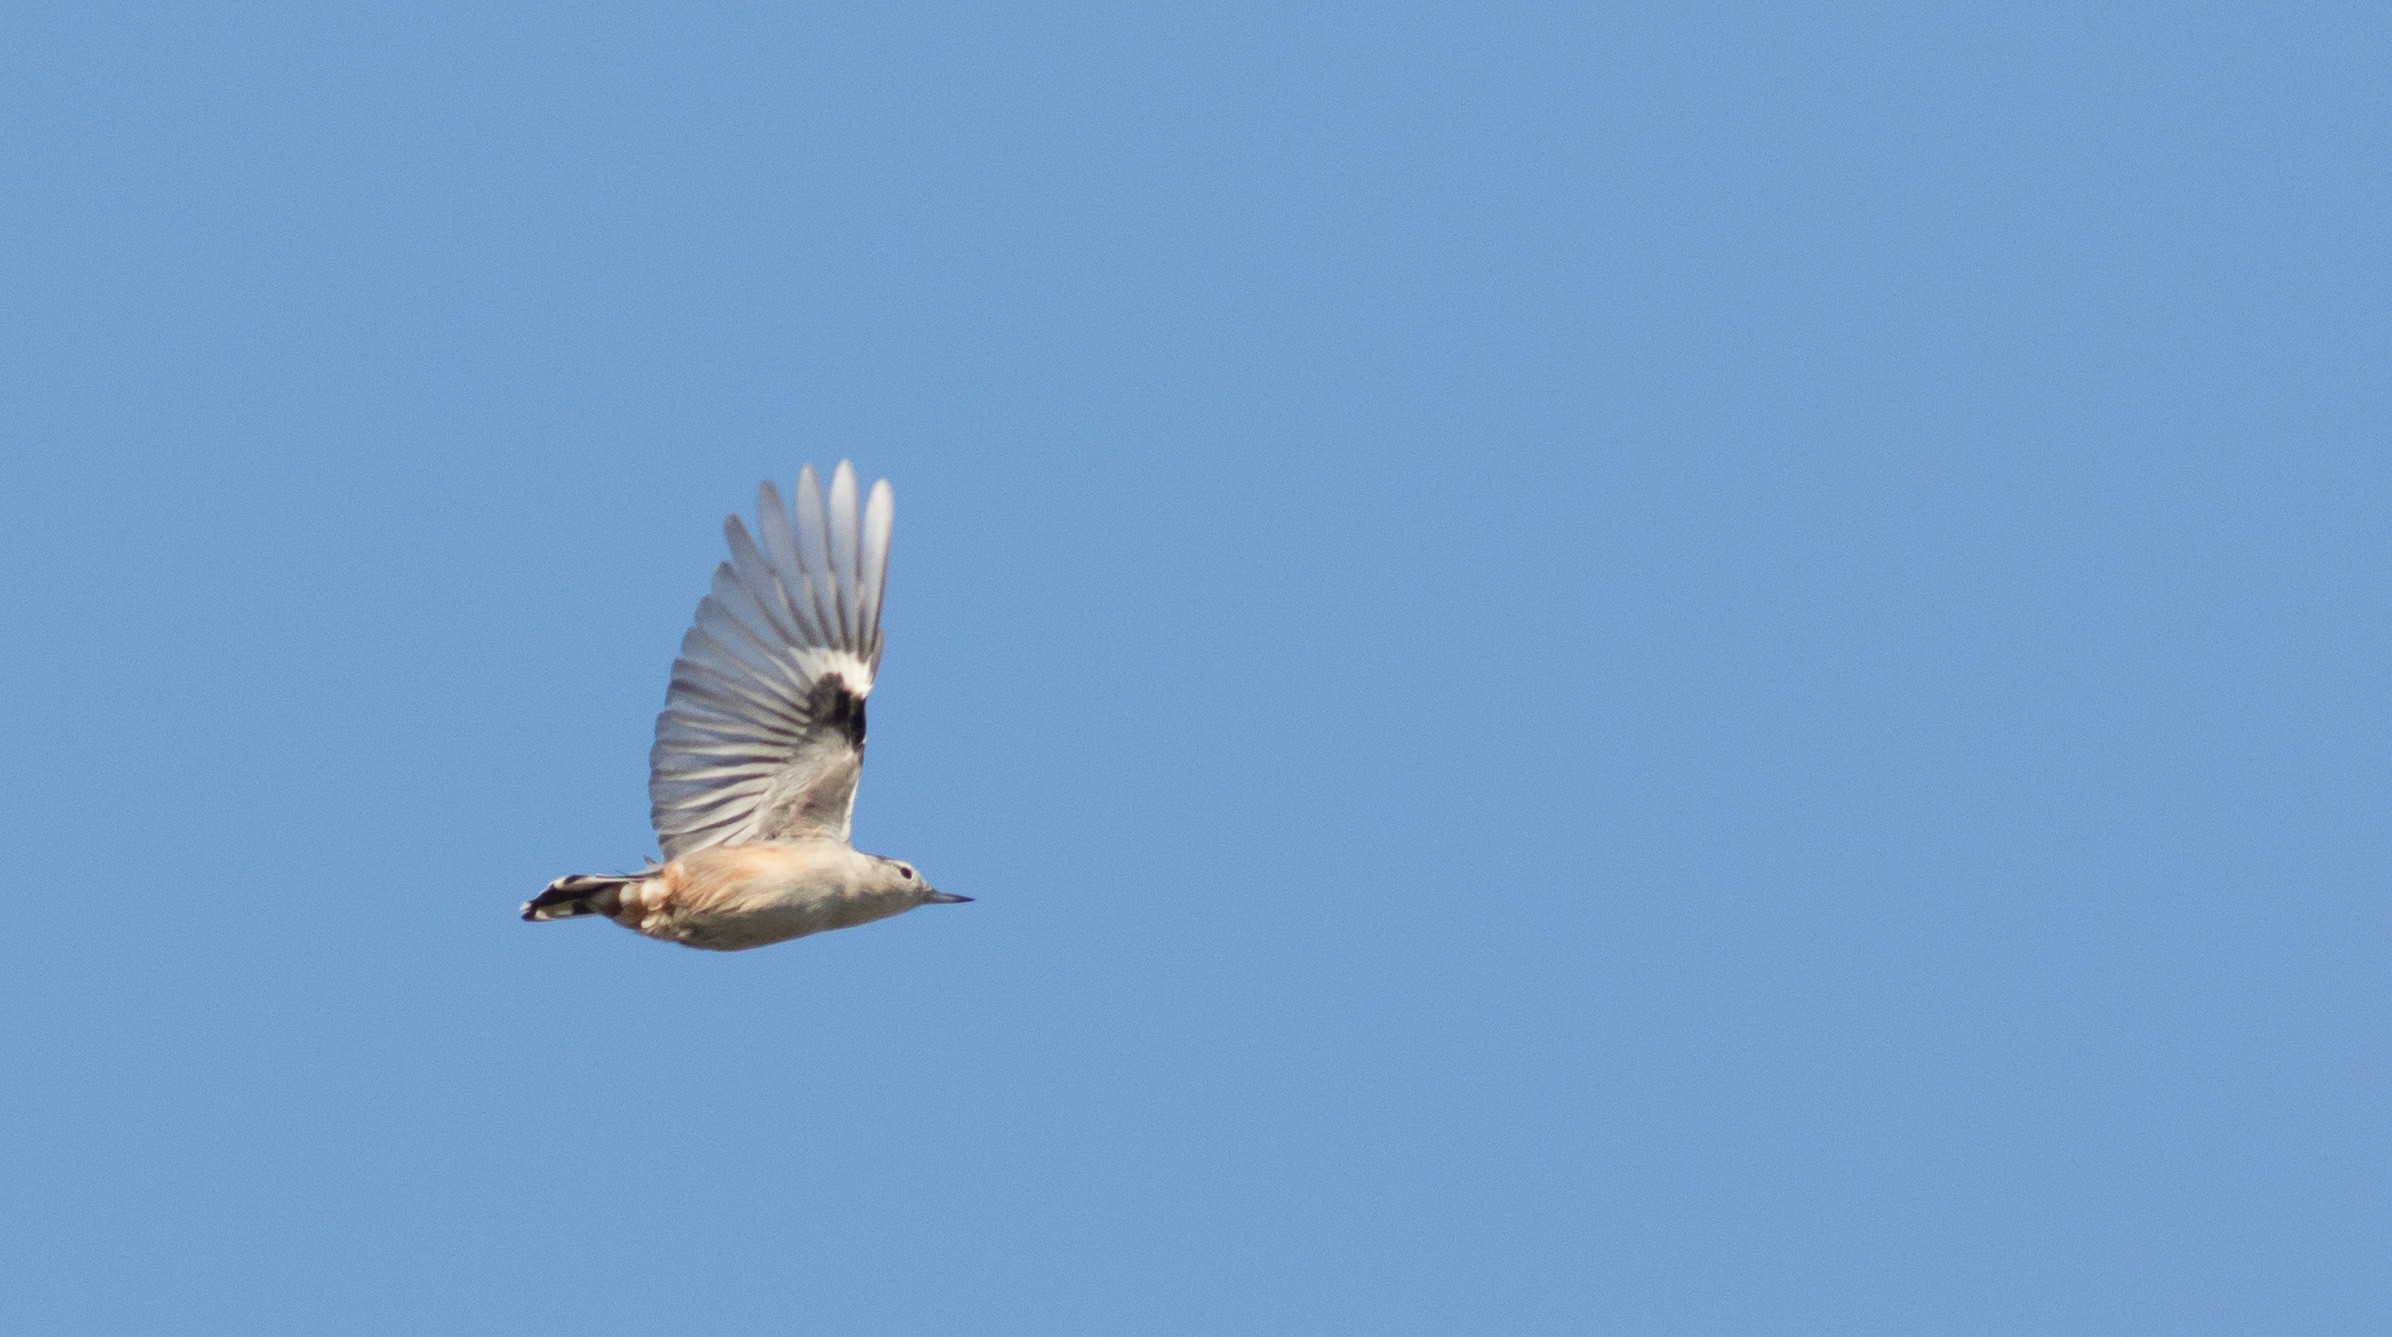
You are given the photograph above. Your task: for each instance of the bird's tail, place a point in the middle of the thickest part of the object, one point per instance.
(582, 894)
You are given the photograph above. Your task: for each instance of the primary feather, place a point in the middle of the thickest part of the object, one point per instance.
(762, 735)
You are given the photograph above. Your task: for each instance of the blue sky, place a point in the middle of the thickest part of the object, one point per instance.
(1692, 670)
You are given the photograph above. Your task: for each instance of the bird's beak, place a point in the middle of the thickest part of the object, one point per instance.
(944, 898)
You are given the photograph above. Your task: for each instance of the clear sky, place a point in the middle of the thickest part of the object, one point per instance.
(1670, 670)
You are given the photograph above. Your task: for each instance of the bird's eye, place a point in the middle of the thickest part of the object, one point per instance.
(905, 872)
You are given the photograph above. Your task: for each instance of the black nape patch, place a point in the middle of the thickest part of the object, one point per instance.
(832, 706)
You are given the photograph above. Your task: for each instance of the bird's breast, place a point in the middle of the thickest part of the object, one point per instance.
(736, 896)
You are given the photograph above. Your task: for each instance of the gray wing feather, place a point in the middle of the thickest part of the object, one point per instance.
(879, 514)
(762, 735)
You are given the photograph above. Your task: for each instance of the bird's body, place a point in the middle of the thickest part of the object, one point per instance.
(761, 741)
(764, 891)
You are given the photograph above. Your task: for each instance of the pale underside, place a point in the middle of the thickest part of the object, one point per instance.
(731, 897)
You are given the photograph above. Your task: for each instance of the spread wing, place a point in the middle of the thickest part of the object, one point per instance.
(762, 734)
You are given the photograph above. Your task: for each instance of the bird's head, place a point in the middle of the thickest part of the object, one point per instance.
(901, 875)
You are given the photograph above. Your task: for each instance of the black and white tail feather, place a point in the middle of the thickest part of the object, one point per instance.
(582, 894)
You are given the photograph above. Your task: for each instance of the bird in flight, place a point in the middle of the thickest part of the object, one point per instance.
(752, 780)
